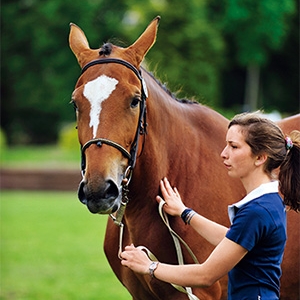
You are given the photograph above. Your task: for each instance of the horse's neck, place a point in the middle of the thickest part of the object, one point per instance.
(171, 122)
(175, 133)
(183, 143)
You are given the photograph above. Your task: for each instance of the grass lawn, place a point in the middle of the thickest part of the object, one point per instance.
(39, 157)
(51, 248)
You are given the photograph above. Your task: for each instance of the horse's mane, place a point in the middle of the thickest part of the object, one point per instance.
(106, 49)
(164, 87)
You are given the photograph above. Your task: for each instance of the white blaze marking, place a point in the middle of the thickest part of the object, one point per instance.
(96, 91)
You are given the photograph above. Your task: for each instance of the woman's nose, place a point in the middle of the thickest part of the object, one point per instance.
(224, 153)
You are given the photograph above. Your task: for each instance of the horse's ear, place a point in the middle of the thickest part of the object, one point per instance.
(79, 44)
(143, 44)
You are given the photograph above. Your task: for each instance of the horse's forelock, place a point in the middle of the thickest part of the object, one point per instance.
(106, 49)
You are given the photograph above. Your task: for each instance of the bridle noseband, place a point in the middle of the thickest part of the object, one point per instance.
(141, 128)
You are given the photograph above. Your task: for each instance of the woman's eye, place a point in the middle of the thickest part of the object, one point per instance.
(134, 103)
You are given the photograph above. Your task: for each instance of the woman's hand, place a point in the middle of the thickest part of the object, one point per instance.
(136, 259)
(174, 205)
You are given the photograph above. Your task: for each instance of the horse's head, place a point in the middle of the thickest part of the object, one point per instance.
(109, 98)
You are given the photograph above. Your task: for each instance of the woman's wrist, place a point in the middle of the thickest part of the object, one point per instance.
(152, 268)
(187, 215)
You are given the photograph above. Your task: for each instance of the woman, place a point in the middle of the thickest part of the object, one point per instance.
(251, 250)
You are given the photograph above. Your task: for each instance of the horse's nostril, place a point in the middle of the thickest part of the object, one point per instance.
(81, 193)
(111, 191)
(99, 198)
(108, 191)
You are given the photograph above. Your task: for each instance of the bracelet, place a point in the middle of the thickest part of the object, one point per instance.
(187, 215)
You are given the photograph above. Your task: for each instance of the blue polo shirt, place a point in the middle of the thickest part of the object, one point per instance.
(258, 225)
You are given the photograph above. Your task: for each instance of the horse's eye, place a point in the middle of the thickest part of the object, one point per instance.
(74, 105)
(134, 103)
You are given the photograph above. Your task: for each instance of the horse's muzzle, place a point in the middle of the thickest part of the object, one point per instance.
(103, 200)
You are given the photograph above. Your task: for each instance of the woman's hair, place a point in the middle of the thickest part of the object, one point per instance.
(264, 136)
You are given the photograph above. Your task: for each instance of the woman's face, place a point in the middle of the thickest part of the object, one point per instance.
(237, 155)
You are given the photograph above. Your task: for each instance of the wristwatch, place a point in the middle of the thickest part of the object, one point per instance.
(152, 268)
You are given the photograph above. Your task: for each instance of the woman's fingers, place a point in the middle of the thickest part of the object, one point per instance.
(168, 186)
(136, 259)
(159, 199)
(176, 192)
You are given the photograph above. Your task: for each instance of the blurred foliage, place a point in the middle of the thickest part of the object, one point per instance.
(68, 139)
(257, 27)
(188, 53)
(40, 70)
(201, 50)
(3, 142)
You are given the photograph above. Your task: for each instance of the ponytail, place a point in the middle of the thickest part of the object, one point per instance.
(289, 175)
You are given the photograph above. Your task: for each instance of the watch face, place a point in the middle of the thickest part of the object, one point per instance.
(153, 265)
(152, 268)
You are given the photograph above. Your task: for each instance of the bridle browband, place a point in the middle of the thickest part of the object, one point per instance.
(141, 128)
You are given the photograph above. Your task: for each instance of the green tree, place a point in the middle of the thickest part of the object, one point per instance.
(188, 53)
(38, 69)
(281, 74)
(257, 28)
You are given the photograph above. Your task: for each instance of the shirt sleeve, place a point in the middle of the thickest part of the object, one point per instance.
(250, 225)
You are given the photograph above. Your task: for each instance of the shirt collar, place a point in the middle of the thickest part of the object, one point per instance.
(265, 188)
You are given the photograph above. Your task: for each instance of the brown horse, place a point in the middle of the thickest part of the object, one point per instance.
(131, 127)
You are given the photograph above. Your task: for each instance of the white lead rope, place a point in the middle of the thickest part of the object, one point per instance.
(176, 238)
(186, 290)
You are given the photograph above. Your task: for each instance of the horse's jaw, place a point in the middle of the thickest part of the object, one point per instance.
(102, 201)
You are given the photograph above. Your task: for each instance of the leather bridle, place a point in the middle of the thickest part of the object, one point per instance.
(132, 155)
(141, 128)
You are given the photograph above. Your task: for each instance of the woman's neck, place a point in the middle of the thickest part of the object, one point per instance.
(255, 180)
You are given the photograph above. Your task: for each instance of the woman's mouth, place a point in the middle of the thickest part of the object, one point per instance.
(227, 166)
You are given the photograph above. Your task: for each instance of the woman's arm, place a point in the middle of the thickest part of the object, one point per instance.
(225, 256)
(211, 231)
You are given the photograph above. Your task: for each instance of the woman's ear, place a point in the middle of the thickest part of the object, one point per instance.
(261, 159)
